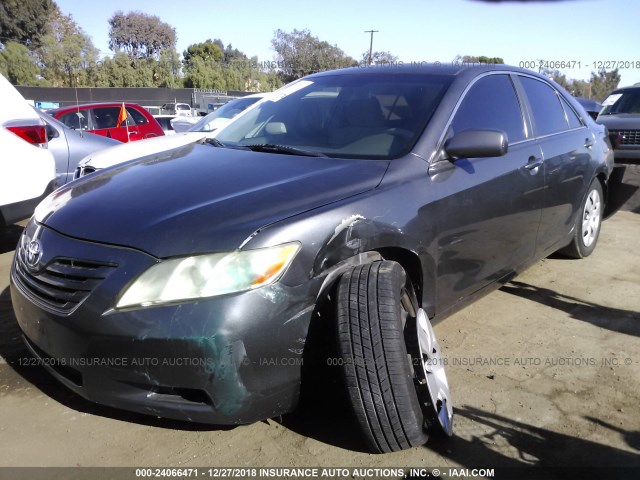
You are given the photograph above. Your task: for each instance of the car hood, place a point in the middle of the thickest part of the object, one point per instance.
(626, 121)
(200, 198)
(124, 152)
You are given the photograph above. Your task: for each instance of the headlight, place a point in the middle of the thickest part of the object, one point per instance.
(203, 276)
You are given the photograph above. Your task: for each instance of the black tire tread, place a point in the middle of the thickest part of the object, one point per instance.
(377, 373)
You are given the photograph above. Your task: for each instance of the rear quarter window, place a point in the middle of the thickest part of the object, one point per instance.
(135, 117)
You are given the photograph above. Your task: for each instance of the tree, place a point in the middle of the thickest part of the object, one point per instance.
(140, 35)
(17, 64)
(67, 52)
(379, 58)
(207, 50)
(299, 53)
(602, 83)
(24, 21)
(597, 88)
(482, 59)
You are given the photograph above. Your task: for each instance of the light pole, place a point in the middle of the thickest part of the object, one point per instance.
(371, 43)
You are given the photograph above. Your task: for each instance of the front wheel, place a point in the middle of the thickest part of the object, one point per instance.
(587, 228)
(390, 358)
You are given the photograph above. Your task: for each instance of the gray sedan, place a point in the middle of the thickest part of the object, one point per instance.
(70, 146)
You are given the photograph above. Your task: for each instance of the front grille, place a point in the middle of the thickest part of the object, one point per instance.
(63, 284)
(626, 137)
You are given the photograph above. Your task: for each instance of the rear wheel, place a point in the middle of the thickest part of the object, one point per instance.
(388, 349)
(587, 228)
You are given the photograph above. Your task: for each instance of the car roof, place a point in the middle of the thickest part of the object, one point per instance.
(91, 105)
(436, 68)
(626, 89)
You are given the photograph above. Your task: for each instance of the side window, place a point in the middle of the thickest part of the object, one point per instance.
(574, 120)
(106, 117)
(134, 117)
(492, 104)
(548, 114)
(77, 120)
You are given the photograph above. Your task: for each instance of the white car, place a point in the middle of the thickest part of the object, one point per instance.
(178, 109)
(217, 119)
(165, 123)
(27, 168)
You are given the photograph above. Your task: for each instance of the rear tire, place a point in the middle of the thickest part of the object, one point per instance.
(587, 228)
(375, 365)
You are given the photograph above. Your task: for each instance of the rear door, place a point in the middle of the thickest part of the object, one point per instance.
(566, 143)
(488, 209)
(105, 120)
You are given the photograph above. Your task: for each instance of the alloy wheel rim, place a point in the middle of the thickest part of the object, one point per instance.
(434, 372)
(591, 218)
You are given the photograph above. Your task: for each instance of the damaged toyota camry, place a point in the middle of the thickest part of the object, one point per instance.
(184, 284)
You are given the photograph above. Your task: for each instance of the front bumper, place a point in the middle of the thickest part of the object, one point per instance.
(627, 155)
(227, 360)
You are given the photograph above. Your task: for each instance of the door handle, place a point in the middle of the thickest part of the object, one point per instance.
(588, 142)
(534, 163)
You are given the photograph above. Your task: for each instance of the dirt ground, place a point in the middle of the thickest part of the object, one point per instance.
(544, 372)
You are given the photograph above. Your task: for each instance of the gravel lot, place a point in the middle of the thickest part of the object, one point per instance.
(544, 372)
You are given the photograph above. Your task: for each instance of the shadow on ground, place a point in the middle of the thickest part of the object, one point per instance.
(492, 441)
(614, 319)
(9, 237)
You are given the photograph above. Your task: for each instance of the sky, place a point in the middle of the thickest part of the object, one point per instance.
(585, 34)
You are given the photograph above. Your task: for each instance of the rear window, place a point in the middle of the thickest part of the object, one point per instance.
(183, 106)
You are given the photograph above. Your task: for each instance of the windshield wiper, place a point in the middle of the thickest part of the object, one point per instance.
(271, 148)
(215, 142)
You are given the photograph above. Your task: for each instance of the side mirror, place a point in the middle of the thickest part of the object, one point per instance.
(476, 144)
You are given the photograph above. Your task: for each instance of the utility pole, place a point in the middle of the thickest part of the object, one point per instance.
(371, 43)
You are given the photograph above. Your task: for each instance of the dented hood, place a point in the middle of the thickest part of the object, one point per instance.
(199, 198)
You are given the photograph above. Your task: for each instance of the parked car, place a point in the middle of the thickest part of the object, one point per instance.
(158, 147)
(70, 146)
(591, 106)
(369, 203)
(27, 168)
(165, 123)
(178, 109)
(102, 119)
(217, 118)
(198, 133)
(621, 115)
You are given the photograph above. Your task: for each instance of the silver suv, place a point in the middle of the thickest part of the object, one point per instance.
(621, 115)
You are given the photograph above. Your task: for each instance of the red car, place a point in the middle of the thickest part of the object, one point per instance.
(107, 119)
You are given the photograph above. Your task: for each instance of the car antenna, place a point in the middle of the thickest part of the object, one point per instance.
(75, 89)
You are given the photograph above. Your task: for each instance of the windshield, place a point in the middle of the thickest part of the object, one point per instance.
(227, 111)
(622, 102)
(183, 106)
(373, 115)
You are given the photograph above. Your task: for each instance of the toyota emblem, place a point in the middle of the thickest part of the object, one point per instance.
(34, 252)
